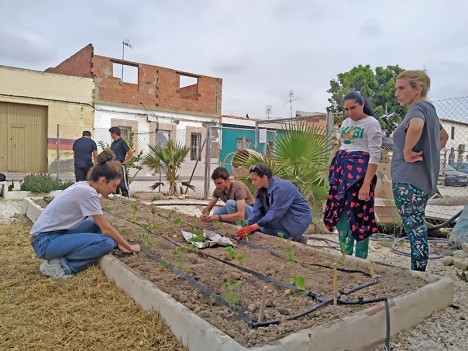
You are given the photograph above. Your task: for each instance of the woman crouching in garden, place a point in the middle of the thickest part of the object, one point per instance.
(64, 238)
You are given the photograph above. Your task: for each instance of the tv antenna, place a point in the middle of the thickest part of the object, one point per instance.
(290, 101)
(125, 42)
(268, 110)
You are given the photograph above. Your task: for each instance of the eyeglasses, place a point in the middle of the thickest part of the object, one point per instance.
(257, 170)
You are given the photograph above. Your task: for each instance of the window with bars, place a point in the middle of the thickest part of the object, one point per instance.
(195, 146)
(162, 137)
(125, 132)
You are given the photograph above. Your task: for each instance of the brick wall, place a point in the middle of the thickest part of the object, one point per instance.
(157, 87)
(78, 65)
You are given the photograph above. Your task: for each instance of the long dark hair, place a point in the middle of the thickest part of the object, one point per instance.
(360, 99)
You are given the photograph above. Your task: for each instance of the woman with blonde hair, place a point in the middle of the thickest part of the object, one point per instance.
(416, 160)
(64, 238)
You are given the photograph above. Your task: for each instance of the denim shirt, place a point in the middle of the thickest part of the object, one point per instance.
(281, 204)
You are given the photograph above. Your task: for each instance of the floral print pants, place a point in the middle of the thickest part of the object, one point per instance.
(411, 204)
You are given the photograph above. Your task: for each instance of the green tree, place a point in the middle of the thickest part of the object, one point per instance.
(168, 158)
(378, 87)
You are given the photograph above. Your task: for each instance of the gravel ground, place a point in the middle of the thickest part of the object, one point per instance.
(444, 330)
(10, 209)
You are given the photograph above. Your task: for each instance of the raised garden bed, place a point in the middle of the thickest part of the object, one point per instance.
(239, 282)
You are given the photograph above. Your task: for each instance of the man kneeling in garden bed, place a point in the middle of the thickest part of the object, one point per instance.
(66, 241)
(236, 196)
(279, 209)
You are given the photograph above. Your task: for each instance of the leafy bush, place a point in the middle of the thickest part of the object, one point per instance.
(42, 183)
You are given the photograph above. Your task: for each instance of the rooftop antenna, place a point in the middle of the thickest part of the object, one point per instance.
(125, 42)
(268, 110)
(290, 101)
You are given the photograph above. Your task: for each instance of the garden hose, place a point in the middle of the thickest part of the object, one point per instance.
(446, 223)
(406, 254)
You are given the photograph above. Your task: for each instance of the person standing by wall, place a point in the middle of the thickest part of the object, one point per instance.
(352, 177)
(122, 154)
(236, 196)
(83, 148)
(279, 207)
(416, 160)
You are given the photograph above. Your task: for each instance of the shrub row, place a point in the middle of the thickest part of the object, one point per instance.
(43, 183)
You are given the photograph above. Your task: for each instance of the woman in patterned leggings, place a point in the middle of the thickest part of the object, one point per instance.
(416, 160)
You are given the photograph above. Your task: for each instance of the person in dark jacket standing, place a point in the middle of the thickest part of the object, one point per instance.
(123, 154)
(279, 207)
(83, 148)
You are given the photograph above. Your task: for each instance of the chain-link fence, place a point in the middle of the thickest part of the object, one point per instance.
(215, 145)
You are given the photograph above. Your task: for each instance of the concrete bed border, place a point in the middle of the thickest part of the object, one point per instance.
(360, 331)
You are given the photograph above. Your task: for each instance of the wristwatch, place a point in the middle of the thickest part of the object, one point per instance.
(219, 217)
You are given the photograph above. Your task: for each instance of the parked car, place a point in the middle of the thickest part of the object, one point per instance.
(460, 166)
(453, 177)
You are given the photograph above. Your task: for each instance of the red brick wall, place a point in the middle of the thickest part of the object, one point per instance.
(78, 65)
(157, 87)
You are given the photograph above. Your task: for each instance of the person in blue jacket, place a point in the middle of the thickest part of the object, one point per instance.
(279, 207)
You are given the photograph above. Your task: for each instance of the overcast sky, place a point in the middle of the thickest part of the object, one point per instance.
(261, 49)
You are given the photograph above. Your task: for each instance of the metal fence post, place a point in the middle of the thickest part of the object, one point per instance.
(58, 151)
(207, 163)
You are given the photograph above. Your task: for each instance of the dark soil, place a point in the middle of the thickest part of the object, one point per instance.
(314, 266)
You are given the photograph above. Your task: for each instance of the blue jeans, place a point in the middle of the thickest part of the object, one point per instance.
(76, 248)
(231, 207)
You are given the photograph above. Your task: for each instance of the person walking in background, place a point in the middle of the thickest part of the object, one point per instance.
(236, 196)
(122, 154)
(352, 177)
(63, 239)
(416, 160)
(279, 209)
(83, 148)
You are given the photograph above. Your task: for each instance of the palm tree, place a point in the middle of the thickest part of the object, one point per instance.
(169, 158)
(301, 154)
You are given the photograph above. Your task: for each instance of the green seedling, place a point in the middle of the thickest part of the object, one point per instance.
(243, 223)
(212, 300)
(163, 265)
(298, 280)
(232, 295)
(198, 238)
(233, 253)
(344, 249)
(172, 222)
(181, 260)
(153, 213)
(134, 207)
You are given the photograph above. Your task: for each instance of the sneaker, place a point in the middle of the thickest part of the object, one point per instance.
(54, 269)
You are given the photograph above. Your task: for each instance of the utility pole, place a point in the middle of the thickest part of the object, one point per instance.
(125, 43)
(290, 101)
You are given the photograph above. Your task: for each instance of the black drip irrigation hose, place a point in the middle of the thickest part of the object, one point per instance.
(199, 286)
(406, 254)
(244, 316)
(446, 223)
